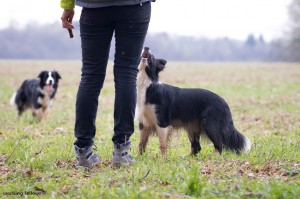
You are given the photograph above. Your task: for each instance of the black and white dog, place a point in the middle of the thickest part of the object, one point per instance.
(162, 108)
(37, 94)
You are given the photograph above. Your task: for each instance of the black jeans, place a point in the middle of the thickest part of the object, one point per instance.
(129, 24)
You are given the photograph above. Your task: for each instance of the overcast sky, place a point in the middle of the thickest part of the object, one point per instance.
(209, 18)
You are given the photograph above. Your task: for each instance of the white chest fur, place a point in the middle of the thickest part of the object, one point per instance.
(145, 113)
(45, 100)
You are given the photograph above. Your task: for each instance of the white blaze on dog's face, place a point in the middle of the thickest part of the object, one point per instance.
(50, 80)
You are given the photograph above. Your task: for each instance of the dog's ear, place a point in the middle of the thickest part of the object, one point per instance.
(162, 61)
(41, 74)
(161, 64)
(57, 74)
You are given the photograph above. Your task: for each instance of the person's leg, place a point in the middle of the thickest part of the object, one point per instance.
(96, 33)
(130, 32)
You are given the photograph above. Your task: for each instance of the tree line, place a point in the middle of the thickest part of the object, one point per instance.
(50, 41)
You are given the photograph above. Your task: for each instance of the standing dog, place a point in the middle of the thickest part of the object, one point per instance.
(162, 108)
(37, 94)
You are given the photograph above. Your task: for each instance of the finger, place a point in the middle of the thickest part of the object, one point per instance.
(66, 24)
(70, 19)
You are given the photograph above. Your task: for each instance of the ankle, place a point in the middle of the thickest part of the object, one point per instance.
(122, 146)
(83, 150)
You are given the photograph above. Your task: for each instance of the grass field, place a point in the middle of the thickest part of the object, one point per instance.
(37, 159)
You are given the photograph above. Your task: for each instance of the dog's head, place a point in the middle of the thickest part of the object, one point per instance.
(150, 65)
(49, 80)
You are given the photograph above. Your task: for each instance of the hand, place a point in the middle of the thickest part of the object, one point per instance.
(66, 19)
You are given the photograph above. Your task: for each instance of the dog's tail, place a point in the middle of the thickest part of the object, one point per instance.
(12, 101)
(236, 141)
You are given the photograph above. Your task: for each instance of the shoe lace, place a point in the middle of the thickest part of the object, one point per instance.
(95, 147)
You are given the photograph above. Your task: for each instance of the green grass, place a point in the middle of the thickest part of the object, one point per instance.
(38, 158)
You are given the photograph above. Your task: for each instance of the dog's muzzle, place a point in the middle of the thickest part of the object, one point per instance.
(146, 53)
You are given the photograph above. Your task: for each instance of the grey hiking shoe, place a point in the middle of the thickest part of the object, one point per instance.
(121, 156)
(86, 157)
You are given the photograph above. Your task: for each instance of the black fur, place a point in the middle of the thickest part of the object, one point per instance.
(37, 94)
(196, 110)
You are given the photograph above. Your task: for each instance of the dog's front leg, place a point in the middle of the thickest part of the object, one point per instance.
(37, 113)
(163, 136)
(44, 113)
(144, 136)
